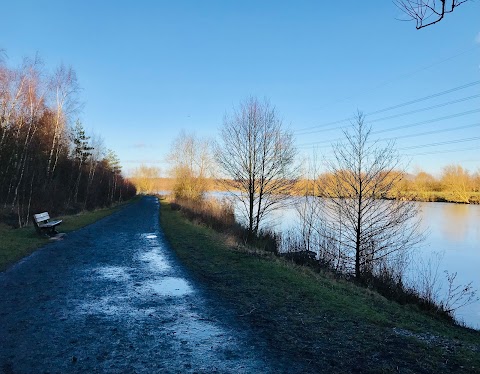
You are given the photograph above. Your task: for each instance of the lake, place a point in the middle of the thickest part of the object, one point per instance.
(454, 229)
(452, 242)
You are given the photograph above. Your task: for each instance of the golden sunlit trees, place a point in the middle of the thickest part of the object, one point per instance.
(423, 185)
(144, 178)
(45, 162)
(257, 155)
(191, 165)
(457, 183)
(476, 181)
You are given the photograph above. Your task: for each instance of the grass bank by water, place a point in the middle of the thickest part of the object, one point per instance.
(328, 325)
(18, 243)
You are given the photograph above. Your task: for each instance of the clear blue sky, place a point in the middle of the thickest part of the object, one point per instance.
(151, 68)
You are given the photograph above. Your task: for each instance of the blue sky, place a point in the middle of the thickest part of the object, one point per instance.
(151, 68)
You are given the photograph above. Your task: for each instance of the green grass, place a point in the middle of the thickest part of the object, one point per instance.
(18, 243)
(328, 324)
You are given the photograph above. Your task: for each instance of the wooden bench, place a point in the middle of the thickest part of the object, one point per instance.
(44, 225)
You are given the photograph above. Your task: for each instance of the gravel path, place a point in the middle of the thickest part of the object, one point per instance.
(112, 298)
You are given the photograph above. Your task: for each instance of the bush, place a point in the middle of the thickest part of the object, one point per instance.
(220, 216)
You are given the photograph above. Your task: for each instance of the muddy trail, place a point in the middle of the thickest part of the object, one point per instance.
(112, 298)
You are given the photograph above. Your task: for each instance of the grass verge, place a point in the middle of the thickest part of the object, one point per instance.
(325, 324)
(18, 243)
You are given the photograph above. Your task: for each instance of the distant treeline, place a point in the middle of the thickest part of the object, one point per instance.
(455, 184)
(153, 185)
(46, 163)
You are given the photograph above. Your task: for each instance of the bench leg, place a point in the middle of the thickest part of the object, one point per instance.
(52, 232)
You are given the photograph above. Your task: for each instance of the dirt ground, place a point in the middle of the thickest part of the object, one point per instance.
(112, 298)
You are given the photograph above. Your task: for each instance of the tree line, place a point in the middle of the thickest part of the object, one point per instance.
(368, 222)
(455, 184)
(47, 160)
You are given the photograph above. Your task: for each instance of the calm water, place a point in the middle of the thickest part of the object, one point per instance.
(453, 232)
(452, 242)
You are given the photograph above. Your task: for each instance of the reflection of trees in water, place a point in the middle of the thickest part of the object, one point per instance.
(455, 221)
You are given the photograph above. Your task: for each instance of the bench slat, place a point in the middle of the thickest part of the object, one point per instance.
(41, 217)
(50, 224)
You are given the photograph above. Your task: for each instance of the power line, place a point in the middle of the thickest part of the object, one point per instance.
(426, 97)
(403, 126)
(447, 151)
(406, 75)
(467, 85)
(433, 132)
(428, 121)
(426, 108)
(441, 143)
(402, 114)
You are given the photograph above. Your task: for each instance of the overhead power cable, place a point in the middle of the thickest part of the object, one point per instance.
(402, 127)
(467, 85)
(425, 109)
(427, 121)
(425, 98)
(401, 114)
(441, 143)
(433, 132)
(447, 151)
(405, 75)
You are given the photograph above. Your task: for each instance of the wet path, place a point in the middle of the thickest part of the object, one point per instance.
(111, 298)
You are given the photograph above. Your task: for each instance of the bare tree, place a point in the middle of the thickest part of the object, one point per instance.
(97, 153)
(34, 142)
(427, 12)
(191, 164)
(375, 224)
(257, 156)
(65, 88)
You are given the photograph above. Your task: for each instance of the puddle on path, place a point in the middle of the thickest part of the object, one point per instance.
(155, 260)
(114, 273)
(148, 235)
(168, 286)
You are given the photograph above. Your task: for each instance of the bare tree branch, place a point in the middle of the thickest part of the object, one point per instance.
(427, 12)
(258, 157)
(365, 218)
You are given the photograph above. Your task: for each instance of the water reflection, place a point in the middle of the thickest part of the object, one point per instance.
(455, 222)
(452, 228)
